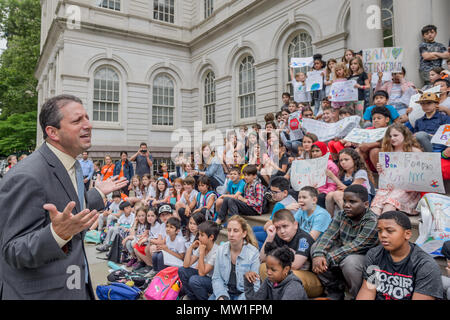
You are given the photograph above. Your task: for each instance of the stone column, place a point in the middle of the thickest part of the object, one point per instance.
(363, 37)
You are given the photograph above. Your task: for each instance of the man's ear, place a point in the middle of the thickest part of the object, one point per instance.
(52, 133)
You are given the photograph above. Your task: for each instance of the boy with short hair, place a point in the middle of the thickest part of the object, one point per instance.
(111, 213)
(235, 187)
(198, 266)
(249, 204)
(311, 217)
(338, 257)
(380, 99)
(426, 127)
(403, 270)
(329, 114)
(286, 231)
(431, 53)
(369, 151)
(124, 222)
(286, 97)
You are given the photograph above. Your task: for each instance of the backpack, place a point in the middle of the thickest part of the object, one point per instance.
(124, 276)
(117, 291)
(166, 285)
(92, 236)
(205, 202)
(115, 252)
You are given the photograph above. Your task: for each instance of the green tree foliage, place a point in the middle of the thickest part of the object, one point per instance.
(20, 22)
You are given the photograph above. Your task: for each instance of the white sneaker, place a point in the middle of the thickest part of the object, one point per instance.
(185, 297)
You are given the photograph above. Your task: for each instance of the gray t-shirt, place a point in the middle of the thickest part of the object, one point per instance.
(418, 272)
(142, 166)
(210, 258)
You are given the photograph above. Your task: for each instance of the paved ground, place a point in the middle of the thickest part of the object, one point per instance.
(98, 268)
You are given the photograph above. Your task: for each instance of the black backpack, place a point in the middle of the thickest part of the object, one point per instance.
(115, 252)
(123, 276)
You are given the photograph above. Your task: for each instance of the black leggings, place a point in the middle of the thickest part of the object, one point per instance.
(232, 206)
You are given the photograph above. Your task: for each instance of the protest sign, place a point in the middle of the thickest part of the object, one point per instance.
(442, 136)
(383, 60)
(314, 81)
(328, 131)
(344, 91)
(302, 62)
(434, 228)
(358, 135)
(310, 172)
(300, 93)
(411, 171)
(387, 76)
(417, 111)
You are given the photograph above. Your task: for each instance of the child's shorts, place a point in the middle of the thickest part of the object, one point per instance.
(140, 248)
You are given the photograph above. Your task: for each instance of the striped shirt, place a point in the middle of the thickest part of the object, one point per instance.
(345, 237)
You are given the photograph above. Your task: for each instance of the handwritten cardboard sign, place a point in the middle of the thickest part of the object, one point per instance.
(344, 91)
(310, 172)
(417, 111)
(442, 136)
(314, 81)
(328, 131)
(411, 171)
(358, 135)
(383, 60)
(302, 62)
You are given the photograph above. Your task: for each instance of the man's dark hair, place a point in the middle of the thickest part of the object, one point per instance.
(383, 111)
(399, 216)
(50, 114)
(311, 190)
(173, 221)
(286, 94)
(123, 152)
(250, 170)
(124, 204)
(210, 228)
(359, 190)
(281, 183)
(428, 28)
(143, 144)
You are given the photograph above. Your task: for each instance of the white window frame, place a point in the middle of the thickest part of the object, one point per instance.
(106, 100)
(390, 11)
(163, 11)
(209, 98)
(164, 105)
(247, 88)
(307, 50)
(110, 4)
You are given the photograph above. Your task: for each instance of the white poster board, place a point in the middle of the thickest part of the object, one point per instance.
(344, 91)
(442, 136)
(383, 60)
(358, 135)
(314, 81)
(328, 131)
(411, 171)
(302, 62)
(309, 172)
(417, 111)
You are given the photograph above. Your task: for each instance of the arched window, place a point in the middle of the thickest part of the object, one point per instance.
(106, 100)
(387, 20)
(164, 10)
(209, 8)
(209, 106)
(300, 47)
(247, 97)
(163, 101)
(110, 4)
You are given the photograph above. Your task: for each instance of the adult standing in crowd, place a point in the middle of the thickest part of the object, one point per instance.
(143, 160)
(108, 169)
(211, 167)
(45, 211)
(124, 168)
(87, 166)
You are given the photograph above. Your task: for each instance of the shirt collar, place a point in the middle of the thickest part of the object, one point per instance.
(67, 160)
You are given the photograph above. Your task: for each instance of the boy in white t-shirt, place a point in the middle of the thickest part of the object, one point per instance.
(185, 206)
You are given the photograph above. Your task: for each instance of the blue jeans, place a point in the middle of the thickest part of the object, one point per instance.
(158, 261)
(260, 235)
(196, 287)
(213, 297)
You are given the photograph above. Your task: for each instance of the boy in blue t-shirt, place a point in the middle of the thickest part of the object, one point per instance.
(380, 99)
(235, 187)
(311, 217)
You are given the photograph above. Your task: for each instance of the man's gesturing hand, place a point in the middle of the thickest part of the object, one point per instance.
(65, 224)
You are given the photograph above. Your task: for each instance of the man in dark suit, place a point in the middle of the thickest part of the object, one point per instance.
(45, 211)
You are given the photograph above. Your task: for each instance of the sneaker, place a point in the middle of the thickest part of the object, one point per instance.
(103, 248)
(132, 262)
(151, 274)
(185, 298)
(138, 265)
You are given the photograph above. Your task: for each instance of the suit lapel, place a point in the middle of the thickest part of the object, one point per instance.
(61, 174)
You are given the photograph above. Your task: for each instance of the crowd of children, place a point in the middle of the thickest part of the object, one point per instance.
(319, 241)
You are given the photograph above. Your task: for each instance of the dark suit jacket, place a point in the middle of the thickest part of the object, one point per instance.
(32, 265)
